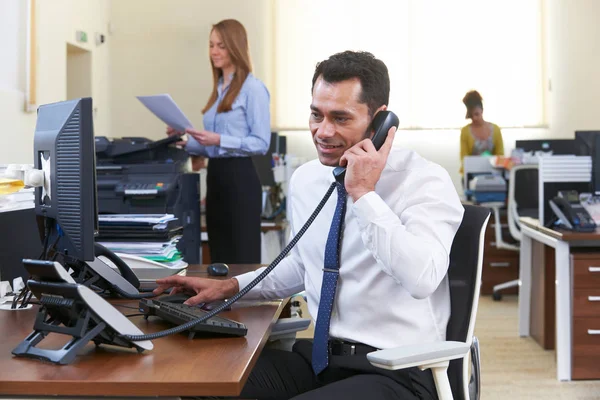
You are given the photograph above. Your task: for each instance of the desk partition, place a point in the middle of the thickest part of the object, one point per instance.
(561, 173)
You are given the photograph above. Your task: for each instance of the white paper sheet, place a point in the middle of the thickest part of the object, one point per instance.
(163, 106)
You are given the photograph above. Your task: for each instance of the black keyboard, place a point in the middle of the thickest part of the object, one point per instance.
(178, 314)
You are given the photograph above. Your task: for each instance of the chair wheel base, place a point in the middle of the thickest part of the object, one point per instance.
(496, 296)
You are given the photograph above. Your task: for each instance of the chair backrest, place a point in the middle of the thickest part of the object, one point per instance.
(523, 197)
(464, 275)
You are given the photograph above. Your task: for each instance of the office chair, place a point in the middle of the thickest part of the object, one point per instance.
(449, 360)
(522, 202)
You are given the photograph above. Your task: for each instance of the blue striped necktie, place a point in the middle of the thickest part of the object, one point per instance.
(320, 351)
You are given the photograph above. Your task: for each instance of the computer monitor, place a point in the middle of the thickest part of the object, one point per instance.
(278, 144)
(274, 144)
(282, 145)
(587, 143)
(264, 169)
(557, 146)
(584, 142)
(64, 151)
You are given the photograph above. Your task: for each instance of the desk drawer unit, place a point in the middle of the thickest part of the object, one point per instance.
(586, 303)
(499, 265)
(586, 270)
(499, 269)
(586, 348)
(586, 315)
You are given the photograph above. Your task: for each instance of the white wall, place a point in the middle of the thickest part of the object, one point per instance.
(161, 46)
(57, 21)
(14, 123)
(573, 53)
(13, 15)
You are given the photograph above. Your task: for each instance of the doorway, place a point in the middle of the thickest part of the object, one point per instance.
(79, 72)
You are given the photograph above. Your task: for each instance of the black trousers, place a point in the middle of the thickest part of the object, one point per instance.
(233, 208)
(280, 375)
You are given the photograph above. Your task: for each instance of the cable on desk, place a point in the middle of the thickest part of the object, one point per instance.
(134, 315)
(126, 306)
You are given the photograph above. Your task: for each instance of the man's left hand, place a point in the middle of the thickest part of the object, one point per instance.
(205, 138)
(364, 165)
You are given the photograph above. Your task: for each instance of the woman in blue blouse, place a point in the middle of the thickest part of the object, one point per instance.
(236, 126)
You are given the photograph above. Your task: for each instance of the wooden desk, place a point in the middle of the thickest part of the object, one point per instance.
(176, 366)
(574, 349)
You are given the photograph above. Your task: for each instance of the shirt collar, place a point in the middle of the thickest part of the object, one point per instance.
(220, 87)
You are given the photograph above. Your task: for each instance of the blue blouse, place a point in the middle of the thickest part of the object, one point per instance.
(245, 130)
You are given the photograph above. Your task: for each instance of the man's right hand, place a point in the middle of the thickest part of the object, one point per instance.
(203, 290)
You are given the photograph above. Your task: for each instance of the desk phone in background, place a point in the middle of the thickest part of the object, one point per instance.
(592, 204)
(382, 122)
(572, 215)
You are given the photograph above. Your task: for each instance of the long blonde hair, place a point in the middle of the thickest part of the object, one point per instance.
(233, 35)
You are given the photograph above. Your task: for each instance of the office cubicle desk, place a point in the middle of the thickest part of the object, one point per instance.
(570, 291)
(177, 366)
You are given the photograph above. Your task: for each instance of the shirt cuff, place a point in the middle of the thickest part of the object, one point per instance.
(245, 279)
(369, 208)
(231, 142)
(194, 148)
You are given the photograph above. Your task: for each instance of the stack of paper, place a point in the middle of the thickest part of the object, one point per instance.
(155, 251)
(138, 227)
(151, 236)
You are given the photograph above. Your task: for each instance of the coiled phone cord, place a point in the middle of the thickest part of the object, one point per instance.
(241, 293)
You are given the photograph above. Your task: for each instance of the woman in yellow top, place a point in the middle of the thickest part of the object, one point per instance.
(479, 137)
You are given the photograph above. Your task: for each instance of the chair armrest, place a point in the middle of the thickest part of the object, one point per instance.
(417, 355)
(284, 326)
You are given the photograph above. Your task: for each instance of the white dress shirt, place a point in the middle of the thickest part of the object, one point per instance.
(392, 288)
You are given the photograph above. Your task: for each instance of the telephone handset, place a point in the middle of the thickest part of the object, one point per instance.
(571, 213)
(123, 268)
(381, 124)
(101, 273)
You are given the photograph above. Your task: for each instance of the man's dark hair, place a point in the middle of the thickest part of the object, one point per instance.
(372, 73)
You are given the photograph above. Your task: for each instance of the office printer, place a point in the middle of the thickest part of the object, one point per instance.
(137, 175)
(488, 188)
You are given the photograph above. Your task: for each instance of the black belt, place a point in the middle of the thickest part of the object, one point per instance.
(342, 348)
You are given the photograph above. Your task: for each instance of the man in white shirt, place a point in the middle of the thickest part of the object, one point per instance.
(402, 215)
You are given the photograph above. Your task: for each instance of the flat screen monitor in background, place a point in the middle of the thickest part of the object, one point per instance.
(584, 142)
(557, 146)
(264, 169)
(278, 144)
(274, 143)
(282, 145)
(64, 150)
(264, 163)
(587, 143)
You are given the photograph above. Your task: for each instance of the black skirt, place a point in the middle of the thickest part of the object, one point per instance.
(233, 209)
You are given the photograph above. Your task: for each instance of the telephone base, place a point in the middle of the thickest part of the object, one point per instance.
(66, 311)
(65, 355)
